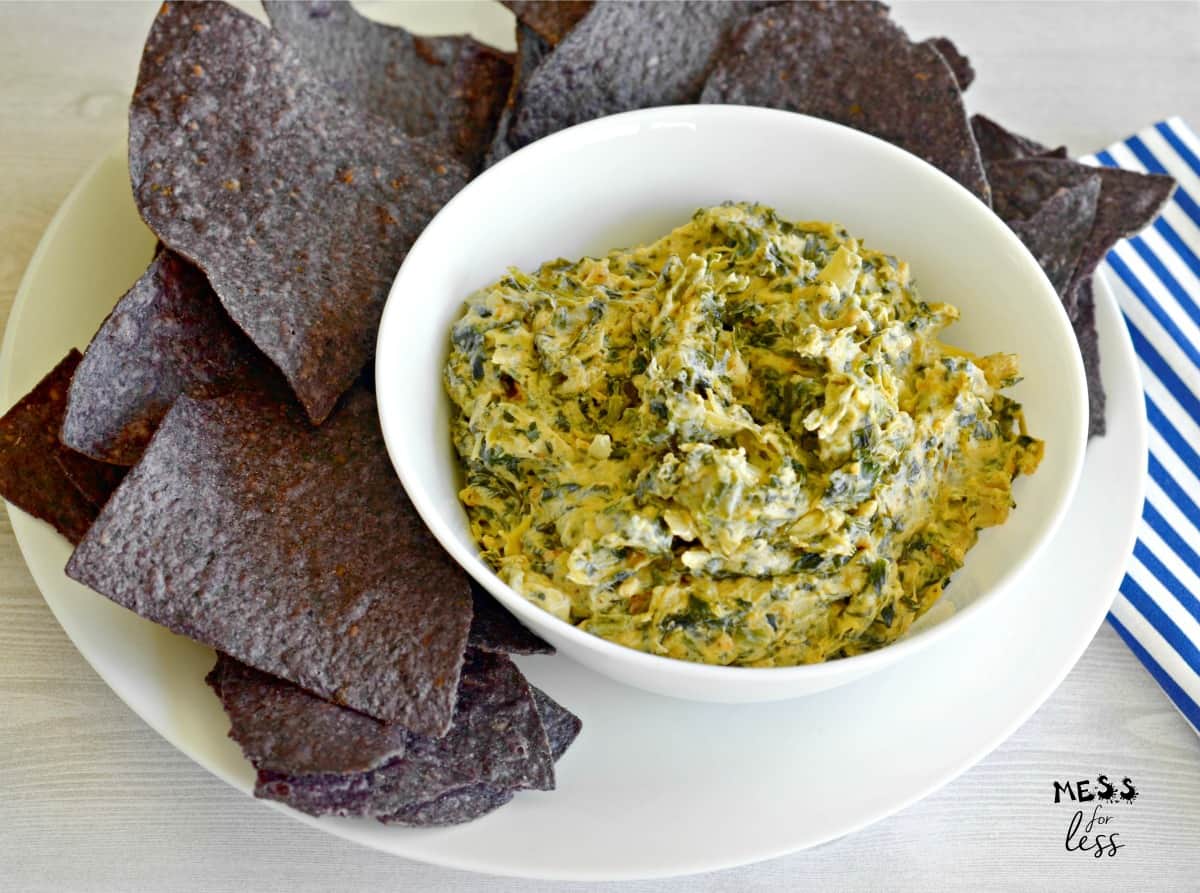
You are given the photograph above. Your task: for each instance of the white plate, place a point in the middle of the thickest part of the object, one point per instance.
(654, 786)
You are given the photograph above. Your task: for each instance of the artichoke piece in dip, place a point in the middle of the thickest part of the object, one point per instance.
(742, 444)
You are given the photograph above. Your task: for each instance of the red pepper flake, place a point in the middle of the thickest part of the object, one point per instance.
(440, 169)
(198, 70)
(347, 175)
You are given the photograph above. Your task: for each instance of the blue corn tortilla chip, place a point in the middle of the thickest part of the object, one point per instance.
(1070, 215)
(531, 50)
(964, 72)
(496, 739)
(454, 807)
(32, 474)
(293, 549)
(472, 801)
(168, 335)
(1082, 310)
(849, 63)
(446, 90)
(1056, 233)
(997, 143)
(1021, 187)
(494, 629)
(552, 20)
(288, 734)
(561, 725)
(1051, 205)
(96, 481)
(1128, 203)
(624, 56)
(282, 728)
(297, 207)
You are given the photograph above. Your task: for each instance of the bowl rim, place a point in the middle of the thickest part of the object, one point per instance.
(854, 666)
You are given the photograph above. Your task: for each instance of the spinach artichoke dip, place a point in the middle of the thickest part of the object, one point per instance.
(742, 444)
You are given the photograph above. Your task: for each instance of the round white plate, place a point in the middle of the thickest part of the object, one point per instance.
(654, 786)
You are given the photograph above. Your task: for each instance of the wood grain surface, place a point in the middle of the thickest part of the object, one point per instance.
(92, 799)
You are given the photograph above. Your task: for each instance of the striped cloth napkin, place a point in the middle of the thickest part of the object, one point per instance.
(1156, 278)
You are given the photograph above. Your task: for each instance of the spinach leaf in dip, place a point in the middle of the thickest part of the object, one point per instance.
(742, 444)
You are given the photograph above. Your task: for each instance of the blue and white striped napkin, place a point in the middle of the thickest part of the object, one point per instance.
(1156, 278)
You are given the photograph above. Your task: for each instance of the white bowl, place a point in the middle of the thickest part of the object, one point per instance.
(630, 178)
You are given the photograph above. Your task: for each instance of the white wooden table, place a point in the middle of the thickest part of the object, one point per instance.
(92, 799)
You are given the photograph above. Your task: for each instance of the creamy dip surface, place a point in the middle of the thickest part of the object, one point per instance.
(742, 444)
